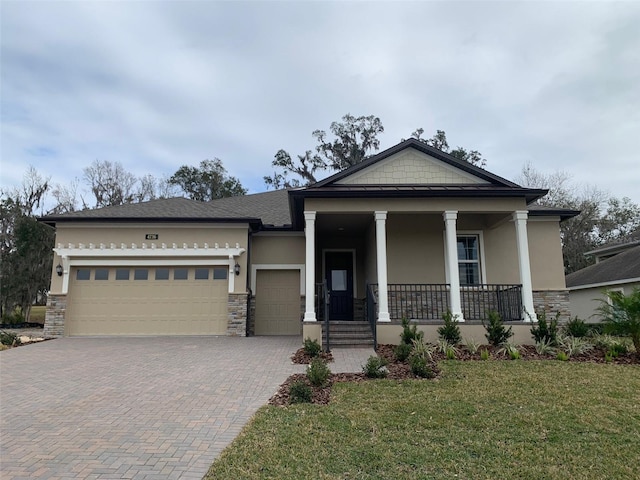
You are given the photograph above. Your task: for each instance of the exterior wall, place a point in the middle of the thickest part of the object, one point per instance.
(411, 166)
(390, 333)
(167, 233)
(237, 315)
(545, 254)
(585, 301)
(277, 249)
(501, 254)
(552, 302)
(55, 314)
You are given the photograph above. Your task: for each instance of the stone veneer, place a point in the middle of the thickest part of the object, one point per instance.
(552, 302)
(54, 317)
(237, 315)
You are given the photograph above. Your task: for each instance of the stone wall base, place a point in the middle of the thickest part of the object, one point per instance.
(552, 302)
(237, 308)
(54, 316)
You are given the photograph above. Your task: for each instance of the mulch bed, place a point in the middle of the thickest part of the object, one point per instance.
(401, 370)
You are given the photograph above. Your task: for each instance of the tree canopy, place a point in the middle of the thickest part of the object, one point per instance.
(208, 182)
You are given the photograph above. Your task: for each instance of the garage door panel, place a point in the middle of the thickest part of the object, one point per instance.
(147, 307)
(278, 302)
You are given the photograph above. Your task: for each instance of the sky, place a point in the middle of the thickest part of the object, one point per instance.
(159, 84)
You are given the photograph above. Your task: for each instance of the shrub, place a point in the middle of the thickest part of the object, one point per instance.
(402, 352)
(544, 347)
(496, 334)
(472, 345)
(574, 345)
(375, 367)
(318, 372)
(617, 349)
(484, 354)
(420, 367)
(562, 356)
(621, 315)
(576, 328)
(311, 347)
(513, 351)
(422, 349)
(450, 330)
(546, 330)
(410, 333)
(9, 338)
(451, 353)
(299, 392)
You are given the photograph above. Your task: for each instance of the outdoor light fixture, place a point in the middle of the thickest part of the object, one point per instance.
(59, 270)
(236, 269)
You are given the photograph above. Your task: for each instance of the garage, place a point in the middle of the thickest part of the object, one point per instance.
(278, 302)
(140, 300)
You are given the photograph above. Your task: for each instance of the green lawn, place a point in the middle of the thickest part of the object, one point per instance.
(481, 420)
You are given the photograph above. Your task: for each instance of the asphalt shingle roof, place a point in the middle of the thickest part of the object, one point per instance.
(622, 266)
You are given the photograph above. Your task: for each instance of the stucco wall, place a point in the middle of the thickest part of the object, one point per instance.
(277, 249)
(584, 302)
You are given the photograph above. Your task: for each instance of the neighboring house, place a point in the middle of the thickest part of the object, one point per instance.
(617, 268)
(411, 232)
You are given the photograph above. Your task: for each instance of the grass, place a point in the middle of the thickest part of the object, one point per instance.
(481, 420)
(37, 313)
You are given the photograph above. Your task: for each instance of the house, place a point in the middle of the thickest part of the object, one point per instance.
(617, 268)
(409, 233)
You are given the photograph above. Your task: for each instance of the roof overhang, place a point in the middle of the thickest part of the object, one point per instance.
(55, 220)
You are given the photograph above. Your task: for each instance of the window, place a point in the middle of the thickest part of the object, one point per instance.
(219, 273)
(469, 259)
(339, 280)
(83, 274)
(180, 274)
(102, 274)
(162, 274)
(122, 274)
(141, 274)
(202, 274)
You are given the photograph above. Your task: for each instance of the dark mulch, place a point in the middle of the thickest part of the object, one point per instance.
(304, 358)
(401, 370)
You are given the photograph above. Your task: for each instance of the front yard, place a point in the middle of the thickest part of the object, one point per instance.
(480, 420)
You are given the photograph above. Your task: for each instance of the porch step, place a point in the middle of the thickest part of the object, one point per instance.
(348, 334)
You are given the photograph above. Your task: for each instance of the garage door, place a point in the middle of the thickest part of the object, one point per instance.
(278, 302)
(147, 301)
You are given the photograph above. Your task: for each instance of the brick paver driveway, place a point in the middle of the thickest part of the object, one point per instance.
(135, 408)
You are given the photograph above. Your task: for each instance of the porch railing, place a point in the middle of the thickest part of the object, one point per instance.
(372, 314)
(431, 301)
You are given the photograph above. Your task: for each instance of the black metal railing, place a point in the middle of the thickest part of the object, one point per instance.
(478, 300)
(372, 313)
(431, 301)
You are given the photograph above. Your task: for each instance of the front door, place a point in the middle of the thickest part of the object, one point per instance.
(339, 276)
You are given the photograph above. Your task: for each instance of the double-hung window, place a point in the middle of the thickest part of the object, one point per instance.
(469, 259)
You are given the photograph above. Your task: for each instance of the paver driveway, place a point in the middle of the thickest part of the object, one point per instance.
(134, 408)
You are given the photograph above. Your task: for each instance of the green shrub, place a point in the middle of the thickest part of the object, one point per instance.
(484, 354)
(318, 372)
(422, 349)
(544, 347)
(496, 334)
(451, 353)
(410, 333)
(621, 315)
(9, 338)
(420, 367)
(299, 392)
(450, 330)
(311, 347)
(472, 345)
(576, 328)
(562, 356)
(574, 345)
(14, 318)
(402, 352)
(513, 351)
(546, 330)
(617, 349)
(375, 367)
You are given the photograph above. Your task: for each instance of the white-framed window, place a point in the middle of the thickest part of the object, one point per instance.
(469, 259)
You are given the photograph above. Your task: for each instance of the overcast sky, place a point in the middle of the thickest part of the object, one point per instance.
(159, 84)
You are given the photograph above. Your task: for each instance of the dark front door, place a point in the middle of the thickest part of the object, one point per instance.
(339, 271)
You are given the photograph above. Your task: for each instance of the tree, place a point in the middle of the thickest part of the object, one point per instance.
(354, 139)
(208, 182)
(621, 315)
(602, 219)
(110, 183)
(439, 141)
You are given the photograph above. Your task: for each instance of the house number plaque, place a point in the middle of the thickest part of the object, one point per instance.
(151, 236)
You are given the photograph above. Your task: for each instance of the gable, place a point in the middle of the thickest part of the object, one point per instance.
(411, 166)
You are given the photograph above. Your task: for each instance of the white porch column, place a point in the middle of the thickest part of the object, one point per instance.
(381, 257)
(520, 219)
(451, 262)
(310, 266)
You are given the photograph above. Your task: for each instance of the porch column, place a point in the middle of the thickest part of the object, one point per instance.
(310, 266)
(381, 257)
(451, 262)
(520, 219)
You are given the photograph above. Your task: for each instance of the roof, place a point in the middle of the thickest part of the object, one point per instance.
(622, 267)
(618, 245)
(272, 207)
(544, 211)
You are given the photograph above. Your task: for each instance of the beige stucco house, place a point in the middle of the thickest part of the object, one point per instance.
(616, 267)
(411, 232)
